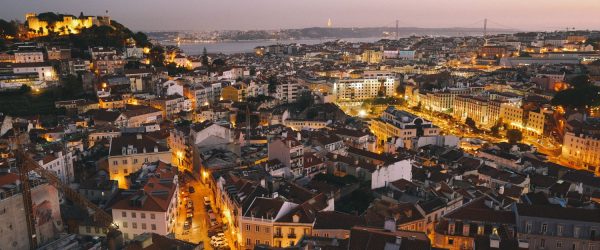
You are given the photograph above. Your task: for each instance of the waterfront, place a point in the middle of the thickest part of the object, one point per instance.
(232, 47)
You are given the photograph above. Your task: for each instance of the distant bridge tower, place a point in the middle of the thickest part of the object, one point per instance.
(329, 23)
(397, 30)
(485, 31)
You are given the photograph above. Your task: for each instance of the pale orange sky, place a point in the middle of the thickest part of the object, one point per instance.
(276, 14)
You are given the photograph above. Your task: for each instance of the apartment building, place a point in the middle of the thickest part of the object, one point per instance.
(555, 227)
(395, 123)
(289, 151)
(288, 91)
(152, 207)
(582, 149)
(128, 153)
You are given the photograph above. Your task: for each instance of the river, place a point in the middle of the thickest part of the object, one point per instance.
(232, 47)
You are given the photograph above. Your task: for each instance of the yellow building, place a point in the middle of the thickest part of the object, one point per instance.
(233, 93)
(68, 24)
(582, 150)
(531, 123)
(371, 56)
(128, 153)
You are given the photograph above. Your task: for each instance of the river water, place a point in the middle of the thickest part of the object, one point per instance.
(232, 47)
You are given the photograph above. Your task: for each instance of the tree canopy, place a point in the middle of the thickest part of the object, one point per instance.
(514, 135)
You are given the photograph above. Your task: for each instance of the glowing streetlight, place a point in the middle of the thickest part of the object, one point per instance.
(362, 113)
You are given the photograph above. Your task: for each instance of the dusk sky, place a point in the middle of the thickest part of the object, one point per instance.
(276, 14)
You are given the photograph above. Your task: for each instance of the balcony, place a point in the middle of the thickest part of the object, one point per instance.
(277, 235)
(291, 236)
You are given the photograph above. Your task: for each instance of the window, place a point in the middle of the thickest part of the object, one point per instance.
(115, 162)
(267, 229)
(153, 227)
(291, 242)
(123, 214)
(559, 244)
(248, 241)
(247, 227)
(152, 216)
(306, 231)
(134, 161)
(559, 230)
(542, 243)
(133, 214)
(450, 241)
(257, 242)
(144, 226)
(124, 161)
(257, 228)
(292, 230)
(124, 224)
(576, 232)
(134, 225)
(544, 228)
(143, 215)
(267, 243)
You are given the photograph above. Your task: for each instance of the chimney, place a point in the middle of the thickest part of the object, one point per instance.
(390, 225)
(398, 240)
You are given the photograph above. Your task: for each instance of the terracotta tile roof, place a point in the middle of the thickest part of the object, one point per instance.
(560, 213)
(139, 142)
(337, 220)
(379, 239)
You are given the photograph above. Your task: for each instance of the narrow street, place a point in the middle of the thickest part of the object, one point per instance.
(198, 231)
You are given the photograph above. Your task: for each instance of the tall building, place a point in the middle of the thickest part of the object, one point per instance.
(371, 85)
(288, 91)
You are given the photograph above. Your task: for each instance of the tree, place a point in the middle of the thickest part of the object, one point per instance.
(157, 56)
(514, 136)
(204, 57)
(580, 97)
(580, 81)
(471, 123)
(272, 83)
(496, 128)
(7, 28)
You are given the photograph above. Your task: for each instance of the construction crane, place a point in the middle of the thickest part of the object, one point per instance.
(26, 164)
